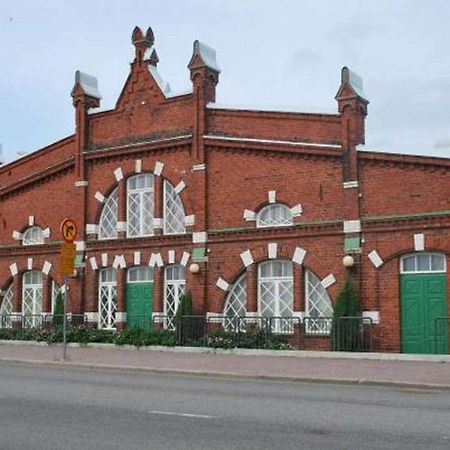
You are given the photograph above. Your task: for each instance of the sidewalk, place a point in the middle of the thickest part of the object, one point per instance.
(313, 367)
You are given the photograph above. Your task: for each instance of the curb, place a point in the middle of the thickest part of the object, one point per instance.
(247, 352)
(233, 375)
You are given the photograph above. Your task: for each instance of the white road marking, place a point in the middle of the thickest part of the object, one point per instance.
(170, 413)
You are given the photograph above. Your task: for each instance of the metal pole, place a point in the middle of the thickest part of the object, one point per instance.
(64, 320)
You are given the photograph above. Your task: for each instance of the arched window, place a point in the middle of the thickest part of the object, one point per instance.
(6, 308)
(140, 205)
(107, 299)
(319, 309)
(108, 218)
(274, 215)
(423, 263)
(33, 236)
(174, 288)
(275, 291)
(173, 211)
(32, 298)
(236, 305)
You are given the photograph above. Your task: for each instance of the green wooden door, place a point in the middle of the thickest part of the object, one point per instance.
(140, 305)
(424, 298)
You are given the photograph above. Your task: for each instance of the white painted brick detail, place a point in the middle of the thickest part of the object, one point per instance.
(171, 254)
(93, 262)
(247, 258)
(121, 317)
(46, 232)
(104, 259)
(159, 166)
(13, 269)
(99, 197)
(158, 317)
(419, 242)
(121, 226)
(159, 260)
(272, 250)
(199, 237)
(81, 183)
(152, 261)
(299, 255)
(116, 262)
(375, 258)
(80, 246)
(350, 184)
(138, 166)
(30, 221)
(158, 223)
(352, 226)
(272, 196)
(300, 314)
(374, 315)
(118, 174)
(198, 167)
(249, 215)
(185, 259)
(91, 316)
(328, 281)
(17, 236)
(30, 263)
(297, 210)
(222, 284)
(91, 228)
(122, 262)
(189, 220)
(46, 267)
(180, 186)
(137, 258)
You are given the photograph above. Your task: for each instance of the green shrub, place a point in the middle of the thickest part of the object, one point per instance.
(346, 333)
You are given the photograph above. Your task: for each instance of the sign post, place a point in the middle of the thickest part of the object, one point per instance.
(67, 267)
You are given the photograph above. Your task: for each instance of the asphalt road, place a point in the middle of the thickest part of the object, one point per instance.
(53, 408)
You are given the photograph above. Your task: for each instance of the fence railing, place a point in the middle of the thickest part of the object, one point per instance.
(40, 321)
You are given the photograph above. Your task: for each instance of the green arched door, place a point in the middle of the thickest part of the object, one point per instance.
(423, 302)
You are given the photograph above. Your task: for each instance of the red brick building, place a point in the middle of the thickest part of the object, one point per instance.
(251, 210)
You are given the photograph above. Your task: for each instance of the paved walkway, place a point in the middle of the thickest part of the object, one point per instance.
(288, 368)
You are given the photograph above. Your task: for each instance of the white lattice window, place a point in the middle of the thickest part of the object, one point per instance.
(140, 205)
(173, 211)
(32, 298)
(33, 236)
(107, 299)
(275, 293)
(108, 218)
(274, 215)
(174, 289)
(55, 291)
(140, 274)
(6, 308)
(236, 305)
(319, 310)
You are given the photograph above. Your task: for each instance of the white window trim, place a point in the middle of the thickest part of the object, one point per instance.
(416, 255)
(269, 206)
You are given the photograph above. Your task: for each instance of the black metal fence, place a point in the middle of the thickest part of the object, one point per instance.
(40, 321)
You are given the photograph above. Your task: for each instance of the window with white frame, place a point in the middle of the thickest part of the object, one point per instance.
(107, 299)
(174, 288)
(140, 205)
(423, 263)
(55, 291)
(173, 211)
(140, 274)
(108, 217)
(236, 305)
(32, 298)
(275, 292)
(33, 236)
(274, 215)
(6, 308)
(319, 309)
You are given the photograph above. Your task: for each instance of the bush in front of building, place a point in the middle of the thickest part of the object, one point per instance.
(346, 332)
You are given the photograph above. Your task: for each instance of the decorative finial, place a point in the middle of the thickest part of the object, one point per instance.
(142, 41)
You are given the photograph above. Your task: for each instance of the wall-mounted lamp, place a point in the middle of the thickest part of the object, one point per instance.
(348, 261)
(194, 268)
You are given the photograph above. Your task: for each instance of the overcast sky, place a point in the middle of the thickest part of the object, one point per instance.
(271, 52)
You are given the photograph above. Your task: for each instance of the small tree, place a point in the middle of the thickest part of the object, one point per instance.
(185, 325)
(347, 333)
(58, 311)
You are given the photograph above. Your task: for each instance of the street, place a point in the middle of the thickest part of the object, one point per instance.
(57, 408)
